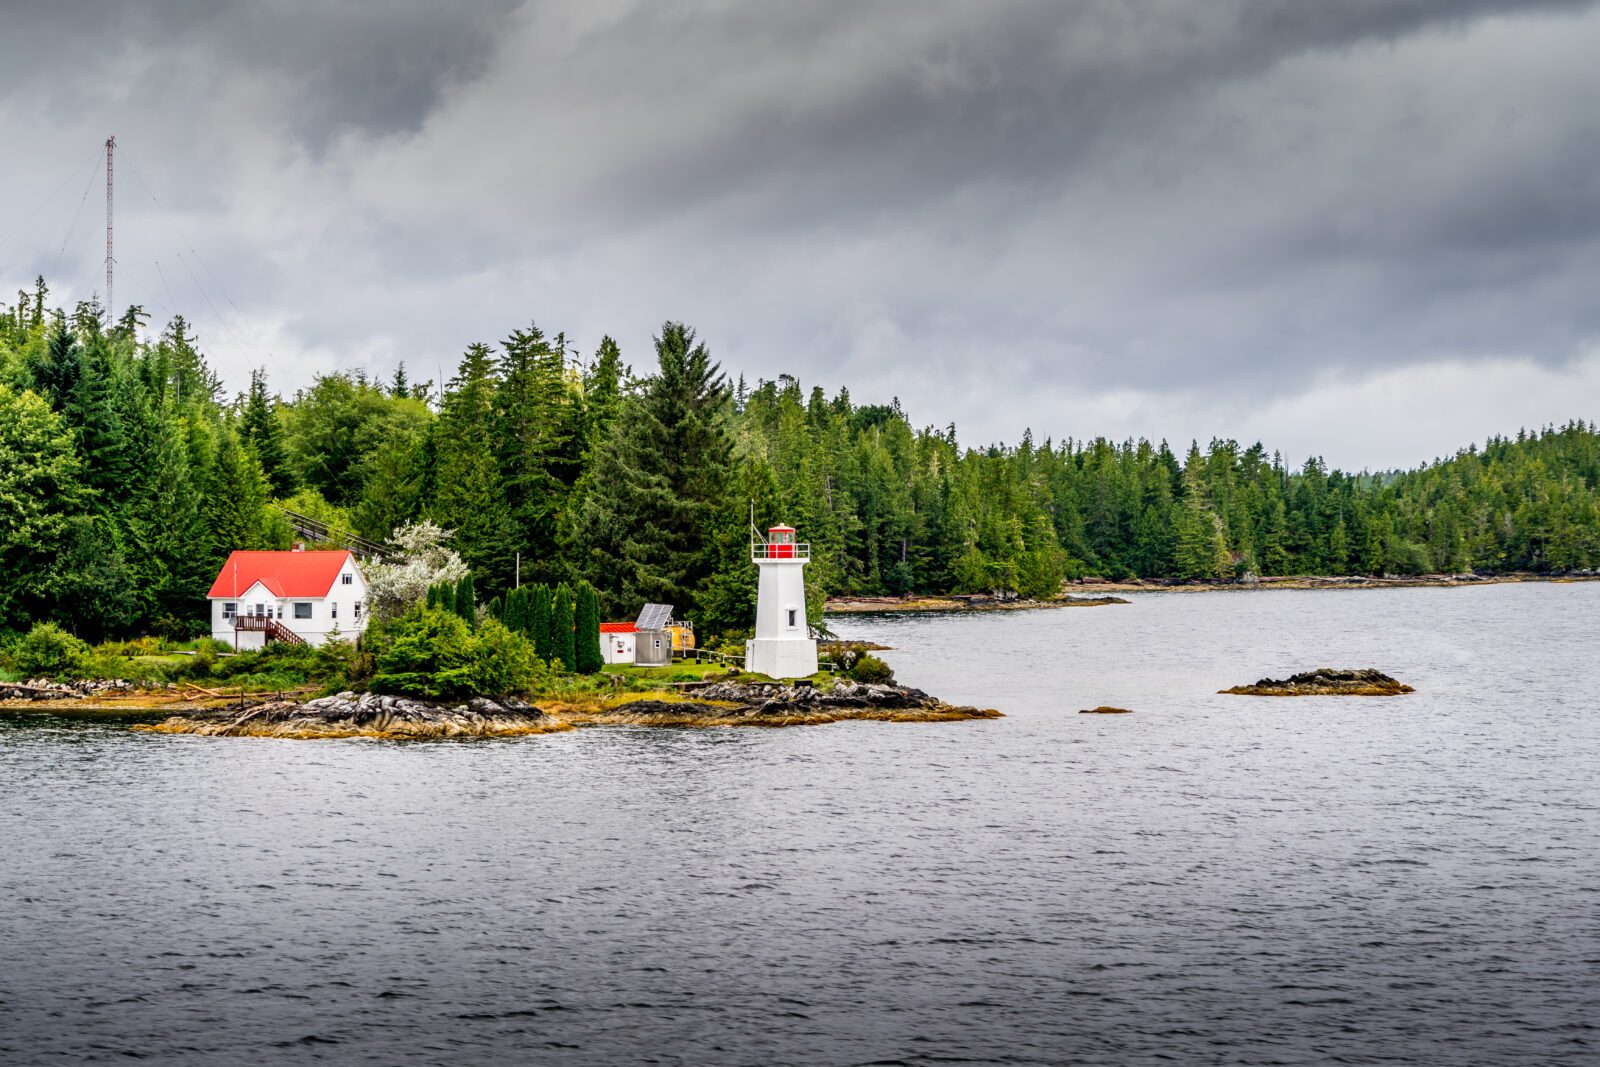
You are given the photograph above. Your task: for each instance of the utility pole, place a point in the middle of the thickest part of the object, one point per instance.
(111, 307)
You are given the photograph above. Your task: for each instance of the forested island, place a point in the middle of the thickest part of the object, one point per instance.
(129, 470)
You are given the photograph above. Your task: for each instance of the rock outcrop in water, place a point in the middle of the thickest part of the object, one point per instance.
(1105, 709)
(1325, 682)
(368, 715)
(733, 703)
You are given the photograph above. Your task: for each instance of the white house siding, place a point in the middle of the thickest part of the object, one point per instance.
(333, 613)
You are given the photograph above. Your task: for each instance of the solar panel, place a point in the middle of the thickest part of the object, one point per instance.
(655, 617)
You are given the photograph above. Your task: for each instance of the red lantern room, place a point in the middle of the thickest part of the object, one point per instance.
(780, 541)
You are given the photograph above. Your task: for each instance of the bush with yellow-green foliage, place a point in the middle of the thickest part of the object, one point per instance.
(50, 651)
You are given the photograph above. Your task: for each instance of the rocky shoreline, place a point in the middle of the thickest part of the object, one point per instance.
(715, 704)
(366, 715)
(774, 704)
(45, 689)
(1325, 681)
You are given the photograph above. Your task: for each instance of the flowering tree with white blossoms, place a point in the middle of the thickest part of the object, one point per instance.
(423, 561)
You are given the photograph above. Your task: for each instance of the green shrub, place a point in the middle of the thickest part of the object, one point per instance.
(869, 668)
(431, 653)
(49, 650)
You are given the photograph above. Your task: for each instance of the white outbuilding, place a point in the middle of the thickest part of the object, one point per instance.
(298, 597)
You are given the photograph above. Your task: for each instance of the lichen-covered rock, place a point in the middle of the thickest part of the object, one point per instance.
(368, 715)
(1325, 681)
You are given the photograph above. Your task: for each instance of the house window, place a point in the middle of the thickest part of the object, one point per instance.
(347, 579)
(302, 609)
(358, 609)
(794, 613)
(333, 609)
(230, 610)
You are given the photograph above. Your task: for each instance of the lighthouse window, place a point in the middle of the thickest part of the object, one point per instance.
(793, 615)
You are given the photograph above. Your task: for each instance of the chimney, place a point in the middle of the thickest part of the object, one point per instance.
(299, 546)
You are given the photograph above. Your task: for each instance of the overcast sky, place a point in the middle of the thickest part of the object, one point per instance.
(1366, 229)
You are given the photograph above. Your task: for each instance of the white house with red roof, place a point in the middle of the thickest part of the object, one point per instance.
(297, 597)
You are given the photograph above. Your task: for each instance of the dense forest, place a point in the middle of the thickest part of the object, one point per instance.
(128, 471)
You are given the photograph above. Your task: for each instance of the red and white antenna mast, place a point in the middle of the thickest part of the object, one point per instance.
(111, 307)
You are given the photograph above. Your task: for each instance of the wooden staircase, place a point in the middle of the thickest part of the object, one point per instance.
(275, 630)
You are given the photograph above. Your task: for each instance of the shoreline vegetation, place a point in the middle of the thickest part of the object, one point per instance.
(1097, 592)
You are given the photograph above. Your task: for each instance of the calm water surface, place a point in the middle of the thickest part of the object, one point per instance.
(1210, 880)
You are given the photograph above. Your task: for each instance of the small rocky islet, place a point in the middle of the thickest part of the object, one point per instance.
(1325, 681)
(725, 703)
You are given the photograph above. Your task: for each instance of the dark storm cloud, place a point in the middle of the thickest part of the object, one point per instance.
(378, 65)
(1000, 211)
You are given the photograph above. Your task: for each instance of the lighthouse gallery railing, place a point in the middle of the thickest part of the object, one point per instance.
(760, 550)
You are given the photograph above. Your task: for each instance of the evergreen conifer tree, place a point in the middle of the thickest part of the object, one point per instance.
(234, 500)
(586, 629)
(467, 600)
(41, 487)
(563, 645)
(53, 371)
(447, 597)
(469, 497)
(643, 531)
(534, 414)
(539, 620)
(516, 617)
(263, 436)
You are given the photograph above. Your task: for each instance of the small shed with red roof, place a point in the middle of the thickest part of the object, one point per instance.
(298, 597)
(618, 641)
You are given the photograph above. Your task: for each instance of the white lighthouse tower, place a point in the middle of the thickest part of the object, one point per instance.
(783, 646)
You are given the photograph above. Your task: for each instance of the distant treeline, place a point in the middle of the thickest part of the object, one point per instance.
(127, 473)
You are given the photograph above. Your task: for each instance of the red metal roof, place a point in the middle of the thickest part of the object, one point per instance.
(285, 574)
(618, 628)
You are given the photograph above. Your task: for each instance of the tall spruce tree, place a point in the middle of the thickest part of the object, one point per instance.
(469, 497)
(467, 600)
(232, 508)
(644, 529)
(263, 436)
(534, 416)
